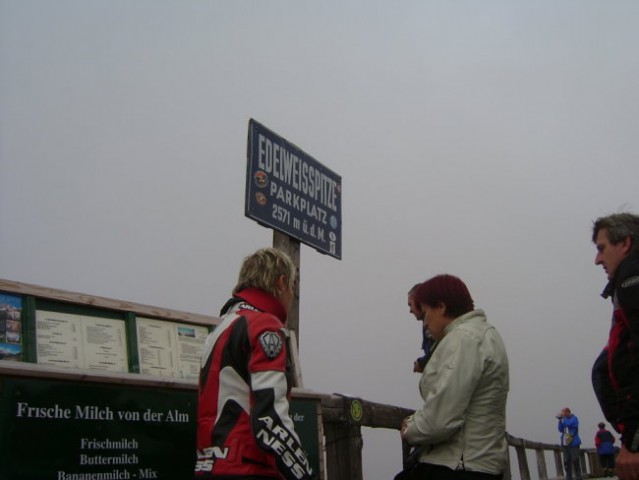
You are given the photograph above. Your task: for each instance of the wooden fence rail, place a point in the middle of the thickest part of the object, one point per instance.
(590, 465)
(344, 416)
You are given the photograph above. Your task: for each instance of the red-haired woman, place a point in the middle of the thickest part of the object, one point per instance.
(462, 424)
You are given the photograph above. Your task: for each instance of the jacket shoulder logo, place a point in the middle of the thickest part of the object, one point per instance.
(631, 282)
(271, 343)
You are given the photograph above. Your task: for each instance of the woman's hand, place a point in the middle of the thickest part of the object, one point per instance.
(402, 430)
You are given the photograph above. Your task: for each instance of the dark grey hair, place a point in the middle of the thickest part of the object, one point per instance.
(619, 226)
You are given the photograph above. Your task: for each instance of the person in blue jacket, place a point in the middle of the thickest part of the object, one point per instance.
(568, 425)
(605, 443)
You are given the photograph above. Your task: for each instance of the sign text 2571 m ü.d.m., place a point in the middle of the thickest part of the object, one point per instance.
(290, 191)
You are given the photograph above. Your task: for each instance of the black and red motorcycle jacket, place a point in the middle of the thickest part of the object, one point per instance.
(615, 374)
(244, 428)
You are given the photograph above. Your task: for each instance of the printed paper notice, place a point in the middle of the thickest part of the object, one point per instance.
(170, 349)
(77, 341)
(105, 344)
(59, 339)
(156, 348)
(190, 343)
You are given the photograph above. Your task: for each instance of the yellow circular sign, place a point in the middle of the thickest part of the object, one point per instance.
(357, 410)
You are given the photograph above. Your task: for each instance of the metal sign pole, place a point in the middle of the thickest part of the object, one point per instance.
(291, 246)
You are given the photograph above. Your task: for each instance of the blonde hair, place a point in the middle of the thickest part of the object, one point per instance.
(263, 268)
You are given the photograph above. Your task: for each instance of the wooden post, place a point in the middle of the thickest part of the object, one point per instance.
(342, 427)
(508, 474)
(541, 464)
(559, 464)
(343, 451)
(291, 247)
(595, 465)
(524, 471)
(343, 418)
(582, 461)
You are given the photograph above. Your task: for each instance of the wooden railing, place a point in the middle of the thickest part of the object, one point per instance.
(590, 465)
(343, 418)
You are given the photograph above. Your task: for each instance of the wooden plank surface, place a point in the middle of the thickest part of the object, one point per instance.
(37, 291)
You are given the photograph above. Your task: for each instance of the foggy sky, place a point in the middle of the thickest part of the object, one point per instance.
(477, 138)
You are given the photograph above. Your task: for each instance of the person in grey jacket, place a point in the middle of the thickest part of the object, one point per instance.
(462, 424)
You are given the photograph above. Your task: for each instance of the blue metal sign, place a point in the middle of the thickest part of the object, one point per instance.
(290, 191)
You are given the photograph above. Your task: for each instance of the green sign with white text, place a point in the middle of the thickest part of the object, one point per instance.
(75, 431)
(69, 430)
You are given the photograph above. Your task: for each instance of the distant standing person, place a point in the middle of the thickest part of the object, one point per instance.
(605, 443)
(615, 376)
(568, 425)
(427, 340)
(462, 423)
(244, 430)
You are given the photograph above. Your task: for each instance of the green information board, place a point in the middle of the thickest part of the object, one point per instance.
(68, 430)
(71, 430)
(305, 415)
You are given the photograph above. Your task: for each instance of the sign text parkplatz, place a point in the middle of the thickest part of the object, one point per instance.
(290, 191)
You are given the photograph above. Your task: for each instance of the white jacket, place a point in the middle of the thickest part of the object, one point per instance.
(464, 386)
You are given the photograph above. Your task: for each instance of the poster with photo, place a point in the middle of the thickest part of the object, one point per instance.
(11, 327)
(170, 349)
(190, 343)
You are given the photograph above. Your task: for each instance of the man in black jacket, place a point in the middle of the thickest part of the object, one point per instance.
(615, 374)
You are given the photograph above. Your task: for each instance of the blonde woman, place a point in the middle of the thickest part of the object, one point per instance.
(244, 430)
